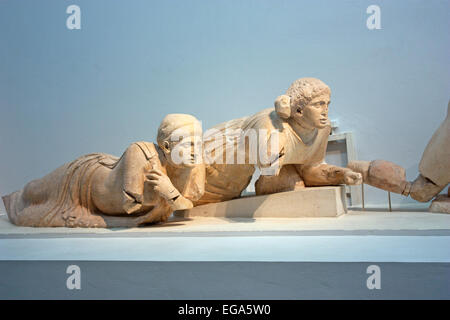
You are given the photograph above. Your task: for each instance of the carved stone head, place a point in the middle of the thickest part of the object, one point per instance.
(180, 138)
(306, 102)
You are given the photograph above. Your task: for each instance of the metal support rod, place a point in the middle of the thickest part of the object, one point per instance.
(389, 198)
(362, 195)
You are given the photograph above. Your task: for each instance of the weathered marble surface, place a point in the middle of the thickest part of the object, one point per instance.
(300, 120)
(146, 184)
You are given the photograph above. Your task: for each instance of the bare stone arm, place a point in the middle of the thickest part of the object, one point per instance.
(391, 177)
(121, 188)
(325, 174)
(294, 177)
(135, 184)
(162, 185)
(434, 171)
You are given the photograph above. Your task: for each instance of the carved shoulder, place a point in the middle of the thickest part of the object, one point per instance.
(147, 148)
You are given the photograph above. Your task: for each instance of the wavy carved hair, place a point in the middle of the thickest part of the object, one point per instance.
(303, 90)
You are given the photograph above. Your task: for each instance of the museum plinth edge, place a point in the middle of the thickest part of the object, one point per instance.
(308, 202)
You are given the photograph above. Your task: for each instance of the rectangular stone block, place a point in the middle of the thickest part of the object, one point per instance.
(308, 202)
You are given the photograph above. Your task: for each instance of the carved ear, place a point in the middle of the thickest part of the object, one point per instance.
(165, 146)
(283, 106)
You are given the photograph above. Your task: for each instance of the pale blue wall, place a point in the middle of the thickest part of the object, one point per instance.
(66, 93)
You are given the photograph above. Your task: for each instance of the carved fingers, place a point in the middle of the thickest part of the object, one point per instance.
(157, 179)
(353, 178)
(162, 184)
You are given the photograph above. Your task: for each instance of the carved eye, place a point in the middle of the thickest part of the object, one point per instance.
(299, 110)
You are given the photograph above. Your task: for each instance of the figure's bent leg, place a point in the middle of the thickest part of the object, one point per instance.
(288, 179)
(30, 206)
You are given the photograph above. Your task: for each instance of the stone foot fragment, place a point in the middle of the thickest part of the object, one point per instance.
(441, 204)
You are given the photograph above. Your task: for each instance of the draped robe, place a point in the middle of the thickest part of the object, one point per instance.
(66, 197)
(226, 181)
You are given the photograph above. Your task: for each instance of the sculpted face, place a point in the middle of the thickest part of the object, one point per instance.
(314, 114)
(184, 148)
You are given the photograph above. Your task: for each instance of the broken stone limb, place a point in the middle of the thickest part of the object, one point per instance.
(434, 171)
(391, 177)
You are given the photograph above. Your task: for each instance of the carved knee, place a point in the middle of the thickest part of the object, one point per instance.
(287, 180)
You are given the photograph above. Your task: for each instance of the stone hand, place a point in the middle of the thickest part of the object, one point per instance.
(352, 178)
(162, 184)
